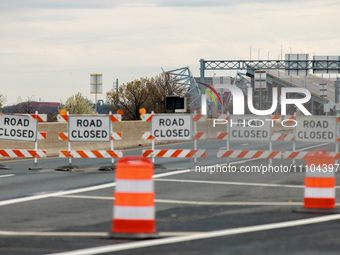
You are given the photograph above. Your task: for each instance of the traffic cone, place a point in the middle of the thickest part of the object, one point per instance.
(319, 180)
(134, 205)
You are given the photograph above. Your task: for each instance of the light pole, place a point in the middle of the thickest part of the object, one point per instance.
(281, 52)
(301, 51)
(290, 50)
(268, 55)
(258, 54)
(278, 70)
(250, 52)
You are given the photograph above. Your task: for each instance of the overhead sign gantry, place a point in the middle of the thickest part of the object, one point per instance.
(293, 64)
(319, 64)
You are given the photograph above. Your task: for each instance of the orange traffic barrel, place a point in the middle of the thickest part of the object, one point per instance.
(319, 190)
(134, 205)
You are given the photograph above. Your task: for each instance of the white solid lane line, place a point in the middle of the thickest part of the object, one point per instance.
(206, 235)
(233, 183)
(170, 201)
(30, 233)
(83, 234)
(6, 175)
(68, 192)
(108, 185)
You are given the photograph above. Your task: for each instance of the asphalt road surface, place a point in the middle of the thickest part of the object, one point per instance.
(70, 212)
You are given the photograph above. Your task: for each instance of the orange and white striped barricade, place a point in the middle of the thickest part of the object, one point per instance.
(22, 153)
(319, 190)
(174, 153)
(276, 137)
(23, 128)
(222, 135)
(63, 136)
(337, 141)
(62, 118)
(39, 117)
(147, 136)
(288, 137)
(249, 128)
(114, 136)
(224, 117)
(289, 119)
(294, 154)
(282, 137)
(113, 117)
(147, 117)
(42, 136)
(199, 135)
(275, 118)
(91, 154)
(262, 154)
(109, 118)
(198, 117)
(248, 154)
(134, 203)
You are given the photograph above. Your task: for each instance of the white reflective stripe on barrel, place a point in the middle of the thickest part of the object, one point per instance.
(319, 193)
(134, 186)
(134, 212)
(323, 172)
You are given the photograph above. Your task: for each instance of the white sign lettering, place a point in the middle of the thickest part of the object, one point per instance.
(171, 127)
(89, 128)
(249, 127)
(18, 128)
(315, 129)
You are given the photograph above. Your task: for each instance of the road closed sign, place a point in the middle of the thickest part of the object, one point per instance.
(171, 127)
(315, 129)
(18, 128)
(250, 128)
(89, 128)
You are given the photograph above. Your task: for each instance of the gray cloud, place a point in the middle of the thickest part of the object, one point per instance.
(96, 4)
(49, 48)
(23, 4)
(211, 3)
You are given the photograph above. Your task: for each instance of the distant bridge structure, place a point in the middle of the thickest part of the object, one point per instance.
(291, 72)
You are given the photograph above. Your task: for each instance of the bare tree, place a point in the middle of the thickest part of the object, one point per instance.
(143, 93)
(131, 97)
(162, 87)
(27, 106)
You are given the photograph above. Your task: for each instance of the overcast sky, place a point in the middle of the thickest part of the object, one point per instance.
(49, 48)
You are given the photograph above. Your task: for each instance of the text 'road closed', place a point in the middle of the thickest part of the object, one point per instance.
(315, 129)
(176, 127)
(253, 134)
(89, 128)
(18, 128)
(246, 128)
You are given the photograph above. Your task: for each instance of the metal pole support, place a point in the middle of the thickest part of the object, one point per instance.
(36, 149)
